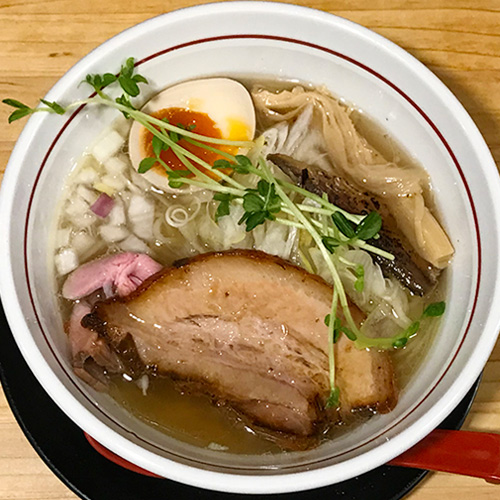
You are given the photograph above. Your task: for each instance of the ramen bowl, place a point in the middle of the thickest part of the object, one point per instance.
(277, 41)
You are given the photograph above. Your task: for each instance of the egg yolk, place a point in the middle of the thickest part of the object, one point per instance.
(199, 123)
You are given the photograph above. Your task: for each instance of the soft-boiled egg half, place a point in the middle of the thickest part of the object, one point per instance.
(215, 107)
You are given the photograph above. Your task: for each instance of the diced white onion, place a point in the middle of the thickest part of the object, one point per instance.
(82, 242)
(87, 175)
(117, 215)
(83, 221)
(134, 244)
(62, 237)
(76, 206)
(141, 213)
(108, 146)
(115, 165)
(117, 182)
(138, 183)
(112, 234)
(232, 232)
(275, 239)
(66, 261)
(89, 195)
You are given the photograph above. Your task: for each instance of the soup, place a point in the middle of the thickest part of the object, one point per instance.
(257, 222)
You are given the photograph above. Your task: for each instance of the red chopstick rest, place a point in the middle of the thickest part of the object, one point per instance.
(113, 457)
(474, 454)
(468, 453)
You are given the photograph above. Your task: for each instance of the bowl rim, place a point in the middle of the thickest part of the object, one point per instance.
(118, 443)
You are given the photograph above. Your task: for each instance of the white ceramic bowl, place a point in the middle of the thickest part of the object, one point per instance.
(275, 40)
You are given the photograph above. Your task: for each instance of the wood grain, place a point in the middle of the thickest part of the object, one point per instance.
(457, 39)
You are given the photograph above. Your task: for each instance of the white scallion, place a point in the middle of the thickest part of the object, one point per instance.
(115, 165)
(141, 213)
(87, 175)
(108, 146)
(66, 261)
(76, 206)
(117, 182)
(112, 234)
(82, 242)
(134, 244)
(63, 237)
(86, 194)
(117, 215)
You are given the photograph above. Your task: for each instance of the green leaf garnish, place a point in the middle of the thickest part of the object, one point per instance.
(243, 165)
(139, 79)
(253, 220)
(94, 81)
(174, 137)
(260, 204)
(175, 183)
(253, 202)
(434, 310)
(178, 174)
(127, 67)
(19, 113)
(343, 225)
(175, 178)
(15, 104)
(369, 226)
(412, 329)
(129, 86)
(57, 108)
(337, 327)
(108, 79)
(359, 284)
(98, 82)
(348, 333)
(330, 243)
(158, 146)
(400, 342)
(146, 164)
(222, 164)
(125, 101)
(128, 81)
(223, 209)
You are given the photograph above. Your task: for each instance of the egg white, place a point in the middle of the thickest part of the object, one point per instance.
(227, 102)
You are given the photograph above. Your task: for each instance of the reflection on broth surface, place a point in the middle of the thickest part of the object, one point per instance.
(131, 326)
(178, 414)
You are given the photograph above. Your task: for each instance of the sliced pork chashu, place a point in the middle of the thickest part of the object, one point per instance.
(248, 329)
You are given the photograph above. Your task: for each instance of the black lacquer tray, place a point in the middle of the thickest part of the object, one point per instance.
(63, 447)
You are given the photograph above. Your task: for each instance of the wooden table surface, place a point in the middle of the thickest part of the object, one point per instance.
(457, 39)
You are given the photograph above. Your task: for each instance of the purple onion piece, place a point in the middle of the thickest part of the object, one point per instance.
(103, 205)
